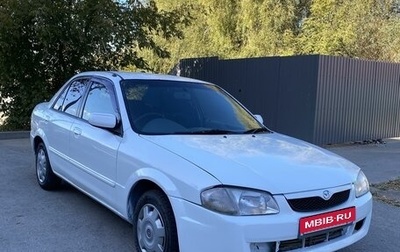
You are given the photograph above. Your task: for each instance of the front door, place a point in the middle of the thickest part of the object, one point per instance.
(93, 149)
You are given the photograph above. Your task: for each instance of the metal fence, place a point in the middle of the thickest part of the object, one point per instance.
(320, 99)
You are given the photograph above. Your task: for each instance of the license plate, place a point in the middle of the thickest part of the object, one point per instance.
(327, 220)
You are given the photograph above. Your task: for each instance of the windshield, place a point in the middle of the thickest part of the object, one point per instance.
(175, 107)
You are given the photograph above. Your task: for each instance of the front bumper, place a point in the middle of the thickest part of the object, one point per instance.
(202, 230)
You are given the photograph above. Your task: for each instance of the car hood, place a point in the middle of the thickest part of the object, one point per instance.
(271, 161)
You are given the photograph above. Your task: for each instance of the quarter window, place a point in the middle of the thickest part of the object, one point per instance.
(59, 103)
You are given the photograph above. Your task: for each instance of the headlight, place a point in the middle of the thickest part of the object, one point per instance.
(361, 185)
(237, 201)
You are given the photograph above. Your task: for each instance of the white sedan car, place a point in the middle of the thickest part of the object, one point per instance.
(193, 170)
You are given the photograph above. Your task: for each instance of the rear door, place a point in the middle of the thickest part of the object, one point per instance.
(59, 121)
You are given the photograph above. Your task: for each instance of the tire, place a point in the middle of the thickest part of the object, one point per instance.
(44, 174)
(154, 224)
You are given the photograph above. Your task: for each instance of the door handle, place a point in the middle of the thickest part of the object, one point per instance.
(77, 131)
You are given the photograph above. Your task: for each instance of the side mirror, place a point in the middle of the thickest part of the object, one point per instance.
(259, 118)
(103, 120)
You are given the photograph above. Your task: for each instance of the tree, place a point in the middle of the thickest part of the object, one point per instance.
(44, 42)
(359, 28)
(269, 27)
(252, 28)
(232, 29)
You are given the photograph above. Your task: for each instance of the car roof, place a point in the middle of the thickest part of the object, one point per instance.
(137, 76)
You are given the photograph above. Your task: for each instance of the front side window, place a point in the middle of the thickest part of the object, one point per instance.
(99, 100)
(175, 107)
(71, 97)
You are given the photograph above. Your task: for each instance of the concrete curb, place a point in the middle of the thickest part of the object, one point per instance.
(13, 134)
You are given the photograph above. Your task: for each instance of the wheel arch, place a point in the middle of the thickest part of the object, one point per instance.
(143, 180)
(138, 189)
(44, 173)
(36, 141)
(38, 136)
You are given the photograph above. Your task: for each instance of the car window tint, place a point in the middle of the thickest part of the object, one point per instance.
(58, 104)
(73, 97)
(217, 107)
(98, 101)
(167, 107)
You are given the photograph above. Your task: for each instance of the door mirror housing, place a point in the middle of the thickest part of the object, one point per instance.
(259, 118)
(103, 120)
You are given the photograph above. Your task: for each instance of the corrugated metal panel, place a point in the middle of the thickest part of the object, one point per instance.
(297, 95)
(356, 100)
(321, 99)
(254, 82)
(206, 69)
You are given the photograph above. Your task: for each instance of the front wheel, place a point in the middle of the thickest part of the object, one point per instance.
(44, 174)
(154, 224)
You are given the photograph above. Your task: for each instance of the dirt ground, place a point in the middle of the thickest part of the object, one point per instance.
(388, 192)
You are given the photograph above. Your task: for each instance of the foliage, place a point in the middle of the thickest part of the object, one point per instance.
(44, 42)
(232, 29)
(358, 28)
(252, 28)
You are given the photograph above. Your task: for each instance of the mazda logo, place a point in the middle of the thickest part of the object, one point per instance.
(326, 195)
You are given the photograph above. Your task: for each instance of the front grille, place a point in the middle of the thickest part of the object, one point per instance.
(311, 204)
(311, 240)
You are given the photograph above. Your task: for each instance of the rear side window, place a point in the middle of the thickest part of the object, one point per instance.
(71, 98)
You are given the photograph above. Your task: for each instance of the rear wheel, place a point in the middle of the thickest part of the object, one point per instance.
(154, 224)
(44, 174)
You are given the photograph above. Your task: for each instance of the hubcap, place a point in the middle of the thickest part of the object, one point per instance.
(150, 229)
(41, 165)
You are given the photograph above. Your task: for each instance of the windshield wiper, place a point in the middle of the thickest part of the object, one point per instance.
(256, 130)
(220, 132)
(207, 132)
